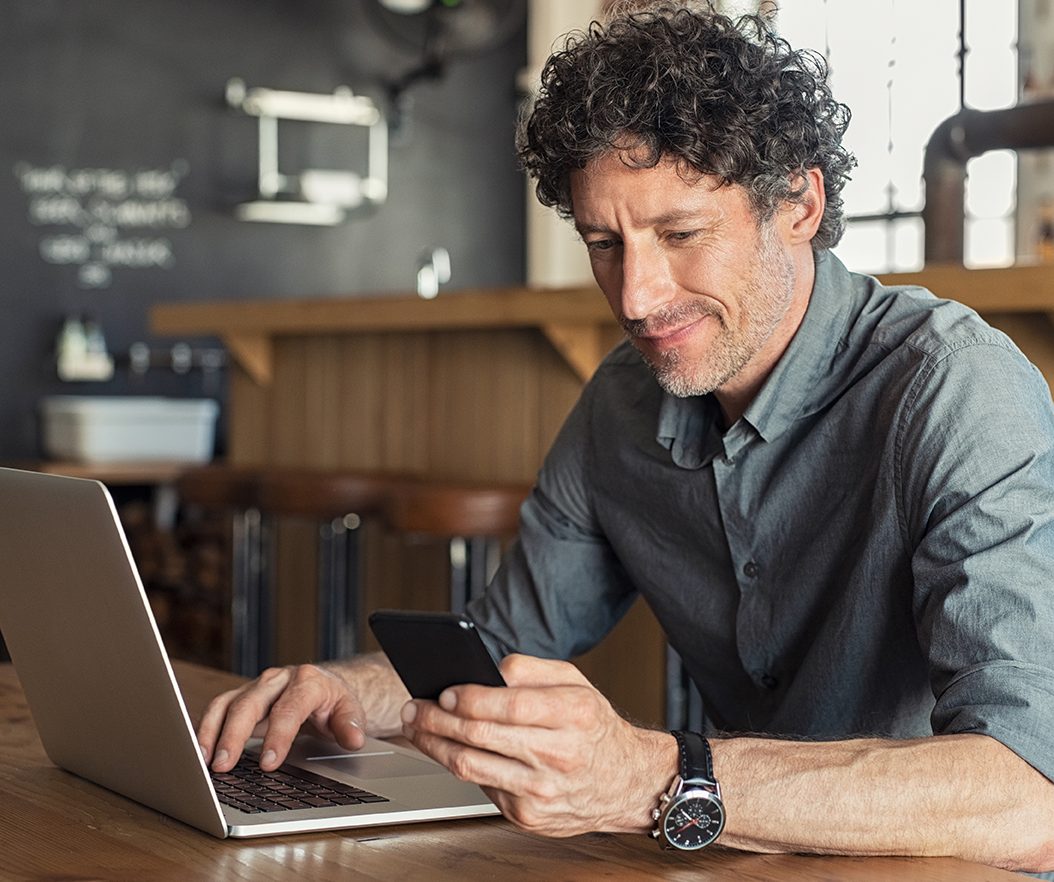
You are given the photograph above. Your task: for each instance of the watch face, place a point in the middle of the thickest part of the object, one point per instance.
(694, 820)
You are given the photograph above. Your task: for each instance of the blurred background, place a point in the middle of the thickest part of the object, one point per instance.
(165, 155)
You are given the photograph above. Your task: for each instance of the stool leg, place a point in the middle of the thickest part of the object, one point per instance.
(251, 614)
(338, 587)
(459, 574)
(478, 564)
(676, 700)
(684, 703)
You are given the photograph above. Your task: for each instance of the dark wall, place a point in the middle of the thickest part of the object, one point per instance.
(139, 86)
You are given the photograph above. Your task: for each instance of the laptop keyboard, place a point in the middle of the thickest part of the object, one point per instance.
(249, 789)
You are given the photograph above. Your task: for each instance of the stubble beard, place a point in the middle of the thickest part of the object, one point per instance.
(764, 301)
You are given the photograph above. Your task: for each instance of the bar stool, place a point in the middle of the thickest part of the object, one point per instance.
(338, 500)
(233, 490)
(472, 517)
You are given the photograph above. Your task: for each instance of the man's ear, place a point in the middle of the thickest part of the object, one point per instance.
(803, 216)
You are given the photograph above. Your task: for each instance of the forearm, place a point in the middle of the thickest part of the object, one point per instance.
(966, 796)
(373, 680)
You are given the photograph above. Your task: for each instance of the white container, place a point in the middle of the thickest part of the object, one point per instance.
(134, 429)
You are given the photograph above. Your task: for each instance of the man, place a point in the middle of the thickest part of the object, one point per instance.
(837, 498)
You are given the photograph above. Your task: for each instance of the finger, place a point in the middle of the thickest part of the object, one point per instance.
(528, 670)
(548, 707)
(345, 724)
(212, 721)
(533, 747)
(247, 707)
(316, 695)
(472, 764)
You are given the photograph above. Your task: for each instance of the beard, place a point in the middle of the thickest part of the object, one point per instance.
(764, 298)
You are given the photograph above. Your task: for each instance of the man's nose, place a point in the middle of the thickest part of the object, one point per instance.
(646, 284)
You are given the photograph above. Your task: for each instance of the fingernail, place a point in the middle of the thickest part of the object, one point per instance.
(409, 712)
(204, 752)
(268, 758)
(448, 700)
(352, 722)
(220, 758)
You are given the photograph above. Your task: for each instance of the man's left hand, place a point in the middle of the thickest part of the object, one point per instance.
(549, 749)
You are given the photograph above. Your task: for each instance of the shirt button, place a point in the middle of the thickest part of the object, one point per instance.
(751, 569)
(769, 681)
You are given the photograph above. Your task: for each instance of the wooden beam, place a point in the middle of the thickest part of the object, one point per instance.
(255, 354)
(1025, 288)
(579, 344)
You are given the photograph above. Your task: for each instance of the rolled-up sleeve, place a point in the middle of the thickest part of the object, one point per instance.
(560, 588)
(976, 485)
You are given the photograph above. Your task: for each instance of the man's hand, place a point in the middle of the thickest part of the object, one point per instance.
(549, 750)
(281, 700)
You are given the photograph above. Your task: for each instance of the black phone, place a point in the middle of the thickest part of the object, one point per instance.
(431, 650)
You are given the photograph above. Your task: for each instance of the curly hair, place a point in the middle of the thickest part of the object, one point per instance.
(726, 97)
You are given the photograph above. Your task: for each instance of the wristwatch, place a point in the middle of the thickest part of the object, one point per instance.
(690, 815)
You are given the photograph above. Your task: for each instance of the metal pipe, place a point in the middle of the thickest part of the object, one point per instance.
(959, 138)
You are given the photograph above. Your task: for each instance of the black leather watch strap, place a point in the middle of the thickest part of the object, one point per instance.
(696, 760)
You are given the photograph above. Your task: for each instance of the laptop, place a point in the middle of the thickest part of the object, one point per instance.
(83, 640)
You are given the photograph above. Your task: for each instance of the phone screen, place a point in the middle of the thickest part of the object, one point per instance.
(431, 651)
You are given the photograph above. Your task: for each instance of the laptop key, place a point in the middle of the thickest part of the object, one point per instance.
(249, 788)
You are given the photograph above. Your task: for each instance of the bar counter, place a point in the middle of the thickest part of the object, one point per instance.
(472, 386)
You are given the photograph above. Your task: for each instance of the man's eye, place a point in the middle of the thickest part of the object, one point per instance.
(681, 235)
(601, 245)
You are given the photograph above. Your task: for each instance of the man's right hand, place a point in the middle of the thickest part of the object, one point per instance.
(275, 705)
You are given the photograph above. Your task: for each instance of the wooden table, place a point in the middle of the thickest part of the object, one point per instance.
(54, 825)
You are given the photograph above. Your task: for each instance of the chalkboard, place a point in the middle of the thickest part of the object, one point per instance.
(121, 164)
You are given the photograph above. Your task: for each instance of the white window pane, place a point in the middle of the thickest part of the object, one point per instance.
(914, 122)
(864, 247)
(991, 184)
(803, 23)
(989, 242)
(908, 244)
(991, 25)
(991, 78)
(868, 190)
(925, 89)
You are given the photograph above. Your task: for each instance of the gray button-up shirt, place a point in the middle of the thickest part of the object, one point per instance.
(868, 551)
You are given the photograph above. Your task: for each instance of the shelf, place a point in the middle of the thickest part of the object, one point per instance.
(576, 321)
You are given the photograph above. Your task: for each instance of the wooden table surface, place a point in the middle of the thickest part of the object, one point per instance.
(55, 826)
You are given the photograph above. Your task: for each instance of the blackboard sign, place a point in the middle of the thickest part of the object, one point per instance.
(121, 164)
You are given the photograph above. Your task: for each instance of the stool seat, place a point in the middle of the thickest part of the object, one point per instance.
(456, 509)
(471, 516)
(219, 486)
(339, 501)
(324, 494)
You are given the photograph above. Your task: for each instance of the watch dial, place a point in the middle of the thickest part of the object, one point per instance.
(694, 821)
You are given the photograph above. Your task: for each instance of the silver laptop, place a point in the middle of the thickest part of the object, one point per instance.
(105, 702)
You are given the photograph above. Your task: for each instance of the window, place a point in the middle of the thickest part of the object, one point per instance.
(896, 63)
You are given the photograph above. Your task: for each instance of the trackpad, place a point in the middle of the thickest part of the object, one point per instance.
(379, 765)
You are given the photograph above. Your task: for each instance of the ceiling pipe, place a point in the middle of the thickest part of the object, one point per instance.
(959, 138)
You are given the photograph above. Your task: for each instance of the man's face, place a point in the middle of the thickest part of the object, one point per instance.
(698, 285)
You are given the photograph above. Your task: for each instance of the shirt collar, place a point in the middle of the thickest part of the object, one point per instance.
(690, 428)
(799, 382)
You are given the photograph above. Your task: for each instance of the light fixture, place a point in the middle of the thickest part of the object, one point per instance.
(406, 7)
(312, 196)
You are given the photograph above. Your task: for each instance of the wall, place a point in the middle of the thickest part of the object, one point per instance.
(138, 89)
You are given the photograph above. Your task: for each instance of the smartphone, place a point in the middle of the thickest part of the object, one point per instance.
(431, 651)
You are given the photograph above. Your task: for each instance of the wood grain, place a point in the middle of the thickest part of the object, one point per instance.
(54, 826)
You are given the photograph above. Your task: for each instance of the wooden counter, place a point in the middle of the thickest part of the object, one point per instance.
(471, 385)
(54, 825)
